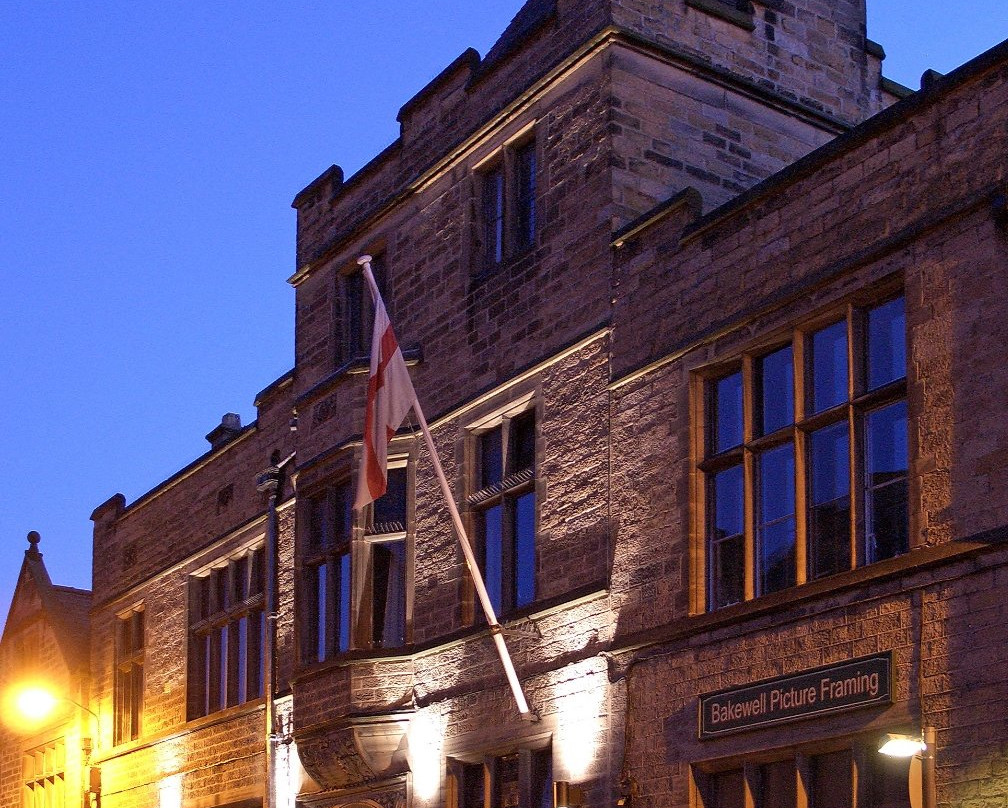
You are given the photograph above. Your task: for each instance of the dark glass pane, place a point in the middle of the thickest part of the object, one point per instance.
(137, 630)
(886, 469)
(239, 580)
(729, 505)
(887, 781)
(136, 701)
(493, 561)
(319, 619)
(241, 670)
(507, 782)
(728, 789)
(728, 583)
(343, 607)
(829, 367)
(542, 779)
(778, 784)
(341, 514)
(357, 338)
(525, 161)
(389, 594)
(257, 637)
(493, 216)
(832, 780)
(830, 463)
(206, 669)
(777, 523)
(886, 343)
(525, 549)
(220, 577)
(727, 420)
(491, 459)
(775, 373)
(726, 540)
(777, 490)
(829, 527)
(390, 508)
(317, 524)
(257, 575)
(473, 793)
(222, 652)
(521, 438)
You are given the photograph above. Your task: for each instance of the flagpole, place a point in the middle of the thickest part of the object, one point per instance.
(495, 629)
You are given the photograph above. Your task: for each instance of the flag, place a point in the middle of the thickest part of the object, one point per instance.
(389, 397)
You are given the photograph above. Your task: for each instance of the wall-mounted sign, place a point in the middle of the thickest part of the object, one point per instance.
(831, 688)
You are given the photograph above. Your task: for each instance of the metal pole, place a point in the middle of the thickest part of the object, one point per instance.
(481, 591)
(929, 785)
(488, 610)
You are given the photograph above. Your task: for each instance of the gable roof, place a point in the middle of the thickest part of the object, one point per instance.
(65, 608)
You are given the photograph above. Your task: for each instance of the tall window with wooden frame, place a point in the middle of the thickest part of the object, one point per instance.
(44, 775)
(326, 573)
(386, 540)
(506, 205)
(804, 467)
(518, 779)
(504, 510)
(129, 678)
(226, 631)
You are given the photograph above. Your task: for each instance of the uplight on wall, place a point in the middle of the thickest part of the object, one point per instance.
(580, 698)
(425, 737)
(567, 795)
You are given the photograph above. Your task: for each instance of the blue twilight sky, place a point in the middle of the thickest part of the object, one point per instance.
(149, 153)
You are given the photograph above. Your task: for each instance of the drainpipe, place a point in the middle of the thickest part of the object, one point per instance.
(271, 482)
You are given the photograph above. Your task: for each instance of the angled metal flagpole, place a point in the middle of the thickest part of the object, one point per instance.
(495, 629)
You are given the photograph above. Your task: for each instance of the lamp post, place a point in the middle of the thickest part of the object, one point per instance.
(36, 703)
(921, 749)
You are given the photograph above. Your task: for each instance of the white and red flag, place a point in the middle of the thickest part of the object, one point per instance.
(389, 397)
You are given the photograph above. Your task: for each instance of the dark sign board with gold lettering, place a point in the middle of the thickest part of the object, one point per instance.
(831, 688)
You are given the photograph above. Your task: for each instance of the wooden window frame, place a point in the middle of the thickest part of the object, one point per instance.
(357, 309)
(129, 674)
(853, 411)
(225, 601)
(868, 774)
(333, 626)
(487, 766)
(515, 484)
(43, 775)
(508, 228)
(375, 536)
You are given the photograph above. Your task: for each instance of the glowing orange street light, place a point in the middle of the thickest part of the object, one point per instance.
(35, 703)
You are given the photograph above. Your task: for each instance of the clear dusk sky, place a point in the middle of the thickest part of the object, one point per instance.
(149, 153)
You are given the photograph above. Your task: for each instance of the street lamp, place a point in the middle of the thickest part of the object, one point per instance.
(34, 704)
(921, 750)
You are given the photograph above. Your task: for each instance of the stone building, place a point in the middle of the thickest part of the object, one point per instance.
(700, 309)
(44, 758)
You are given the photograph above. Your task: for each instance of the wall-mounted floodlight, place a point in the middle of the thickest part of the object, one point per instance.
(895, 745)
(567, 795)
(921, 751)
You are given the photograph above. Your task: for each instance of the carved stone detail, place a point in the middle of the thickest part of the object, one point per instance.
(357, 751)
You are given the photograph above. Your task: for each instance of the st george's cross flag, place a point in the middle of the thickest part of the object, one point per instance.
(389, 397)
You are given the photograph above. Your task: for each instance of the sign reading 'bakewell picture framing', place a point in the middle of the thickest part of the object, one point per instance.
(832, 688)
